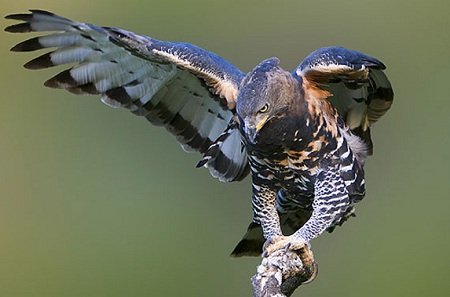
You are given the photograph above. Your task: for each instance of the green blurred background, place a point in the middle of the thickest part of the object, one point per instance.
(96, 202)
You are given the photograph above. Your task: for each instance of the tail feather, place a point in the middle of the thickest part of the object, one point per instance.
(252, 242)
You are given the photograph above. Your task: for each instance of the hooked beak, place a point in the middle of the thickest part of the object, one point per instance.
(250, 133)
(252, 130)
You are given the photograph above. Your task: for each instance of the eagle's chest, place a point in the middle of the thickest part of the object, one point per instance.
(284, 172)
(291, 151)
(294, 165)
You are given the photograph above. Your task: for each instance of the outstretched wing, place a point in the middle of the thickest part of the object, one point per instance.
(188, 90)
(359, 89)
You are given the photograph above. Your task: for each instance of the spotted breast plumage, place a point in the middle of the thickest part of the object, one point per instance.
(303, 135)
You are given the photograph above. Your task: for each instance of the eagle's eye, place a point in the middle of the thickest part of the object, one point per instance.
(265, 108)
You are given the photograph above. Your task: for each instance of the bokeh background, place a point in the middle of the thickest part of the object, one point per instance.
(96, 202)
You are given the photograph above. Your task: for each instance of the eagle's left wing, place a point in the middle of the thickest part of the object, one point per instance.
(354, 83)
(186, 89)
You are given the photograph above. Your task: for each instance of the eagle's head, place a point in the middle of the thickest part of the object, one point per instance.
(267, 94)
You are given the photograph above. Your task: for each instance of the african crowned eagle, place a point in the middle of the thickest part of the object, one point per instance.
(303, 136)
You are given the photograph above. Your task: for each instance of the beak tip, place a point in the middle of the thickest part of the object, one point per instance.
(251, 134)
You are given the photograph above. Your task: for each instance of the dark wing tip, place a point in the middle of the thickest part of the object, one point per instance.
(19, 28)
(62, 80)
(41, 62)
(19, 16)
(27, 45)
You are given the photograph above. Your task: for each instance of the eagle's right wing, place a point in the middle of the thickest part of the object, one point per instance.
(186, 89)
